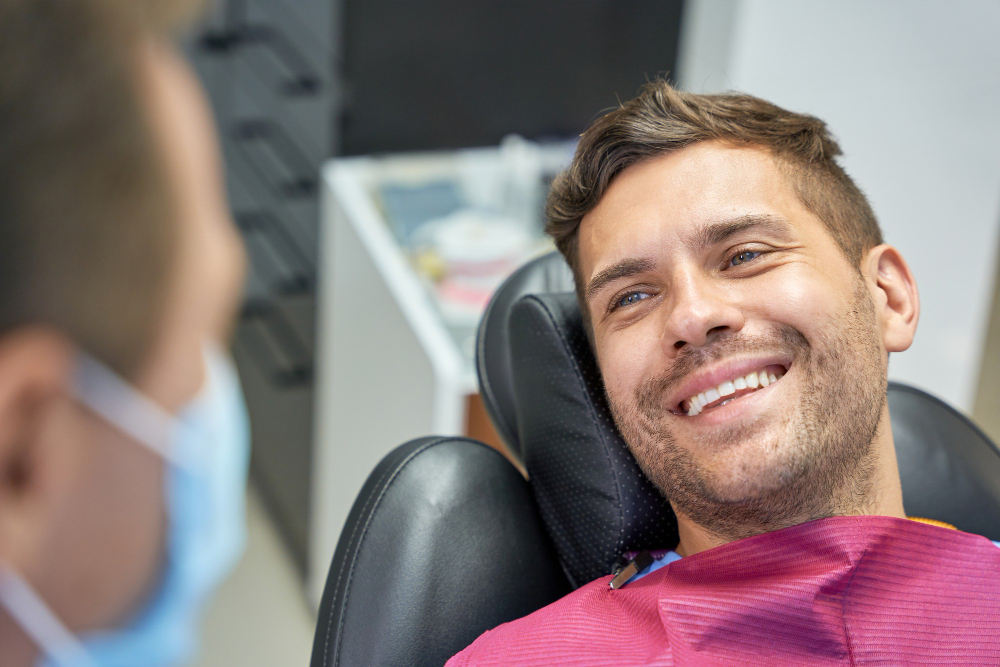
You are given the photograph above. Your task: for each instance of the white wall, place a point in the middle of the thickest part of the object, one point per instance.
(911, 88)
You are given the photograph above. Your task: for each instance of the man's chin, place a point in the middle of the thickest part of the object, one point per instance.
(745, 476)
(724, 477)
(743, 490)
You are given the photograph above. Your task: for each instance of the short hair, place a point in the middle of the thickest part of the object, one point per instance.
(87, 217)
(662, 119)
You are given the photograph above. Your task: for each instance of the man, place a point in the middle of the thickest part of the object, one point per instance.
(742, 306)
(123, 439)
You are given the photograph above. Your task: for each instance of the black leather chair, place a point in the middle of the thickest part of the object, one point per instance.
(447, 539)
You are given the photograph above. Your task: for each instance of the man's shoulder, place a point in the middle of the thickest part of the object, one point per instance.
(592, 621)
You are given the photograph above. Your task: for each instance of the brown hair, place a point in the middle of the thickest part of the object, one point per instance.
(662, 119)
(86, 219)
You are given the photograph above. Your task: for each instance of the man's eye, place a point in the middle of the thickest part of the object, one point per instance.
(630, 299)
(745, 256)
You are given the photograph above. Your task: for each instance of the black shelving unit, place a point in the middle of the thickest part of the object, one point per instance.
(295, 82)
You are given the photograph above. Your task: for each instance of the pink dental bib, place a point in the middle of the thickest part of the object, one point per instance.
(837, 591)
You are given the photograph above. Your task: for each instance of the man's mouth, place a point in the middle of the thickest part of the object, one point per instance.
(730, 390)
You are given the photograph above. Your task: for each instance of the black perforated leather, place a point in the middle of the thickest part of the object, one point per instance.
(595, 501)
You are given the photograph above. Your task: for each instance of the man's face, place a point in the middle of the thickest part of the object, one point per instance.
(703, 273)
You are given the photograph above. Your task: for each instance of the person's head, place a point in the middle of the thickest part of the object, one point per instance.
(115, 245)
(712, 236)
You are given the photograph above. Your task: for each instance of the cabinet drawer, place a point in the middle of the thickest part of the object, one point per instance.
(305, 118)
(309, 23)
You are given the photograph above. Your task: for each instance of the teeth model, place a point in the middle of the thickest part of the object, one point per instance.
(752, 381)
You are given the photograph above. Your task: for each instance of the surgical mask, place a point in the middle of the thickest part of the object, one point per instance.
(206, 447)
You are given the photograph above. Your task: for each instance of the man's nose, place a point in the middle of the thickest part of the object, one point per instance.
(700, 309)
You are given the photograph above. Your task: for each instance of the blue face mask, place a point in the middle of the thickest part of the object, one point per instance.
(206, 447)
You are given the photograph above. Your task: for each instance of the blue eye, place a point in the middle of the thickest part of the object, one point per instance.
(745, 256)
(631, 298)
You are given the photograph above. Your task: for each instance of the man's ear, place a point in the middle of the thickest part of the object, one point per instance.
(897, 303)
(35, 371)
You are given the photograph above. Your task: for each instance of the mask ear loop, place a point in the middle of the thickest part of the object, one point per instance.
(39, 623)
(114, 400)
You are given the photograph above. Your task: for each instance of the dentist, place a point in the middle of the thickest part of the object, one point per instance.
(123, 435)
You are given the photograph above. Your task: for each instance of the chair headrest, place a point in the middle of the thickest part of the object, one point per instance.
(593, 498)
(546, 396)
(546, 274)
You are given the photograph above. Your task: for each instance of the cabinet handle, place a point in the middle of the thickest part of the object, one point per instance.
(237, 32)
(260, 316)
(278, 237)
(302, 80)
(302, 182)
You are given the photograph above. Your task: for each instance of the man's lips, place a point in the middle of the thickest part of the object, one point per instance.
(705, 389)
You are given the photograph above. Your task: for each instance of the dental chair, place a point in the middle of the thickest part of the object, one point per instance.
(447, 539)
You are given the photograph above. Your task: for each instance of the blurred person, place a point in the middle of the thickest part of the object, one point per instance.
(742, 306)
(123, 434)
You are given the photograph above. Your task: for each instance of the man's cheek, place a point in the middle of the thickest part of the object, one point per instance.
(798, 296)
(620, 385)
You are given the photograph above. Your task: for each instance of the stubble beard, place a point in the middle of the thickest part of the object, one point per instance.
(816, 460)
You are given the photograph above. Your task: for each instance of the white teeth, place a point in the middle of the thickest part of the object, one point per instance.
(761, 378)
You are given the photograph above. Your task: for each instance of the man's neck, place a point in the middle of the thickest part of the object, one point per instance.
(882, 496)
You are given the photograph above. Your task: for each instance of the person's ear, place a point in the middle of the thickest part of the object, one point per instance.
(897, 303)
(35, 372)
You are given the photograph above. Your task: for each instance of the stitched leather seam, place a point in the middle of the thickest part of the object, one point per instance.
(593, 417)
(484, 382)
(336, 591)
(369, 514)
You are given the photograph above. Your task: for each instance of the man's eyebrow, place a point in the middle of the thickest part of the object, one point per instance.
(621, 269)
(717, 232)
(709, 235)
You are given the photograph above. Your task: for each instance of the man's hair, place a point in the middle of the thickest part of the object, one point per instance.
(662, 119)
(87, 219)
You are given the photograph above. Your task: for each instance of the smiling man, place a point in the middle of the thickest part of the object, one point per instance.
(742, 307)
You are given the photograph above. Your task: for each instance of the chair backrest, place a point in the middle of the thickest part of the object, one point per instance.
(593, 498)
(446, 539)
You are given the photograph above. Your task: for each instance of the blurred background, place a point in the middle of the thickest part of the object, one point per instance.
(387, 162)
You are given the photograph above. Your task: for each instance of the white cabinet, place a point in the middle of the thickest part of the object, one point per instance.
(390, 365)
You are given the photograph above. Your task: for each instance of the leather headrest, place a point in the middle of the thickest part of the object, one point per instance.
(593, 498)
(546, 274)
